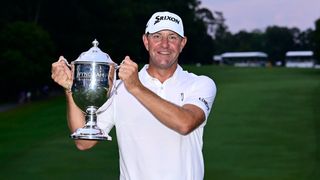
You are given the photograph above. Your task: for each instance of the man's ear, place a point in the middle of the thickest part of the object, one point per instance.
(145, 41)
(183, 43)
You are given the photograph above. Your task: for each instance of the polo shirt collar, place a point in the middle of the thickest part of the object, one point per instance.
(145, 76)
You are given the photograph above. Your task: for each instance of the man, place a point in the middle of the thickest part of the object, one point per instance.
(159, 113)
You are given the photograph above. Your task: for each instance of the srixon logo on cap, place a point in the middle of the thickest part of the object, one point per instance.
(162, 18)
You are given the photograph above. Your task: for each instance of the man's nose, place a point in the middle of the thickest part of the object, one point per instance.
(164, 42)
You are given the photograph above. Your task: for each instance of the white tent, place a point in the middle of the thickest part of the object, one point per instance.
(301, 59)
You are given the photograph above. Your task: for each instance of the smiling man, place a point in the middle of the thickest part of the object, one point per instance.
(159, 113)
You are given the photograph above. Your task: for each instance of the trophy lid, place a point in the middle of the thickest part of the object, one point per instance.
(94, 54)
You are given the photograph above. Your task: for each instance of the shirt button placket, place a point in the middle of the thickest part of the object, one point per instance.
(161, 93)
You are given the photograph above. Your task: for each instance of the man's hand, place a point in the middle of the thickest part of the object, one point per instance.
(128, 73)
(61, 73)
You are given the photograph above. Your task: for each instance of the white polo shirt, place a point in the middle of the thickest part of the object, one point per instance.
(148, 149)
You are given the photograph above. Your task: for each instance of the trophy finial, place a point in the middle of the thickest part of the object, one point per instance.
(95, 43)
(94, 54)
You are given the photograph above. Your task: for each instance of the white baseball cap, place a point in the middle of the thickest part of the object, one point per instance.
(165, 20)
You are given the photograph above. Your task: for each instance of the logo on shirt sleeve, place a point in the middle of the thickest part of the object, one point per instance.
(204, 102)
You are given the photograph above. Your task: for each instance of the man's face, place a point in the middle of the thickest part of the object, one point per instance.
(164, 48)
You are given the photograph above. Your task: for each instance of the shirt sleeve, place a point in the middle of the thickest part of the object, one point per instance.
(202, 94)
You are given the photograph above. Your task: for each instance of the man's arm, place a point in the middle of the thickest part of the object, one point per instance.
(182, 119)
(62, 75)
(76, 119)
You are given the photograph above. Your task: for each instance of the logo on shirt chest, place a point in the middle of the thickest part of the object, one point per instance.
(182, 96)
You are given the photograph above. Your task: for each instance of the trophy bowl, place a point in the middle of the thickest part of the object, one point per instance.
(93, 83)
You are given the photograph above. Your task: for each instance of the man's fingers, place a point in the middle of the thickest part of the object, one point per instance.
(126, 60)
(62, 59)
(67, 71)
(61, 73)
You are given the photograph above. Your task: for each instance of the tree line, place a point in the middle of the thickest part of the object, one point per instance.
(274, 40)
(33, 34)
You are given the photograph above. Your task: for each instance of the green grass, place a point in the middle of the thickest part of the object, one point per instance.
(34, 144)
(264, 126)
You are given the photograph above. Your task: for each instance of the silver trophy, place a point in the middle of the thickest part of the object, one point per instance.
(93, 84)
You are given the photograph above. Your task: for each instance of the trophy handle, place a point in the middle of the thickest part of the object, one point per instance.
(61, 58)
(115, 86)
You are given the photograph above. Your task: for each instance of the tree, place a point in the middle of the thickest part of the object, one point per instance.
(317, 40)
(118, 26)
(25, 59)
(249, 41)
(222, 38)
(279, 40)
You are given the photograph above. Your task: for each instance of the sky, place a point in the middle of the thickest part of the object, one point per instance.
(259, 14)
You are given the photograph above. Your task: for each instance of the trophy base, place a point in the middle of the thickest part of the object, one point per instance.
(90, 133)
